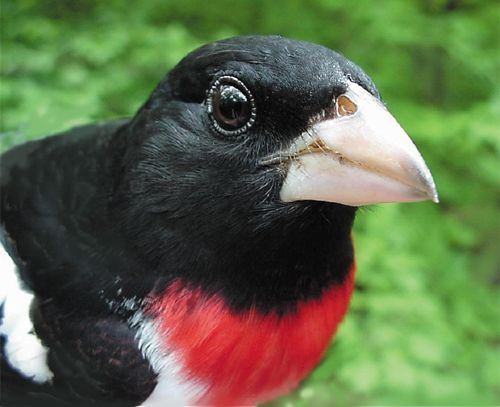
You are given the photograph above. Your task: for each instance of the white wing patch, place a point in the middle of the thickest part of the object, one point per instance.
(172, 389)
(23, 350)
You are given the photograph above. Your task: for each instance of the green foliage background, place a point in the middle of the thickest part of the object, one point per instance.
(424, 326)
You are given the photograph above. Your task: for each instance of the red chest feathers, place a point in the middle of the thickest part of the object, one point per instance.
(249, 357)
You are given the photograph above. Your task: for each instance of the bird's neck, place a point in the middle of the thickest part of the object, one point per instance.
(273, 270)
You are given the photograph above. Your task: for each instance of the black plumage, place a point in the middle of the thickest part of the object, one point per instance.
(104, 215)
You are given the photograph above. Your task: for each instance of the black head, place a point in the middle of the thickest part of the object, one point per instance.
(196, 194)
(289, 81)
(228, 105)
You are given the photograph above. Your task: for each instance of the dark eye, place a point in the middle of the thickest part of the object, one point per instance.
(231, 106)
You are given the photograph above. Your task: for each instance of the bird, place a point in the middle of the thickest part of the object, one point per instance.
(200, 252)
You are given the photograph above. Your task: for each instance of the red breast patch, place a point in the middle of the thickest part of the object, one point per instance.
(247, 358)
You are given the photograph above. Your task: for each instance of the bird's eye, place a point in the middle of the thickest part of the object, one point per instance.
(231, 106)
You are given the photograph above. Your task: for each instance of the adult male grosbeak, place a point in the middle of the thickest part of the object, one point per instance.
(200, 252)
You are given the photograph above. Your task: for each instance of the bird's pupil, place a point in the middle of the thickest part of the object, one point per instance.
(231, 107)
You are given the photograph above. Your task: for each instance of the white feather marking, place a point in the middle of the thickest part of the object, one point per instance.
(23, 349)
(172, 389)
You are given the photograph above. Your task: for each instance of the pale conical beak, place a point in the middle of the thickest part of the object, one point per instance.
(360, 156)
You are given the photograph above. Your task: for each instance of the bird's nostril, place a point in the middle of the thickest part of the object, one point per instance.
(345, 106)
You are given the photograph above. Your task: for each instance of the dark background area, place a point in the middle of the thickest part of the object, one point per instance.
(424, 325)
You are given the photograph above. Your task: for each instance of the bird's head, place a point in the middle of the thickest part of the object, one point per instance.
(251, 132)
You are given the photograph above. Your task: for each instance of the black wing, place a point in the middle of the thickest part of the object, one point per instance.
(56, 224)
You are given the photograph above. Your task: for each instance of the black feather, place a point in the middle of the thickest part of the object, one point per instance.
(108, 212)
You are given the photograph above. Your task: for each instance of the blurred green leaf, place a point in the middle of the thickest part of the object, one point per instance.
(424, 327)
